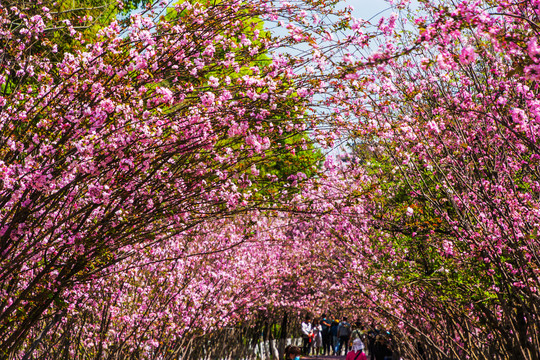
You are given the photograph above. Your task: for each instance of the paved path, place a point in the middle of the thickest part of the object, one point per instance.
(323, 357)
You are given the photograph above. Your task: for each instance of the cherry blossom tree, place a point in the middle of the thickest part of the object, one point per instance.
(145, 208)
(447, 108)
(129, 140)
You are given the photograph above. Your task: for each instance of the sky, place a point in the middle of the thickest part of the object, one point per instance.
(366, 9)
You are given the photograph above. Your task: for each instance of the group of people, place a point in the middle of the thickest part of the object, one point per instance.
(328, 336)
(325, 336)
(356, 353)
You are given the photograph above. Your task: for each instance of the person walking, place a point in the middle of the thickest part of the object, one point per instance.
(292, 353)
(306, 335)
(316, 343)
(371, 336)
(381, 349)
(326, 336)
(344, 334)
(357, 332)
(334, 336)
(357, 351)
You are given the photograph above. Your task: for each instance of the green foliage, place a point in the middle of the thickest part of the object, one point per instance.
(286, 157)
(304, 159)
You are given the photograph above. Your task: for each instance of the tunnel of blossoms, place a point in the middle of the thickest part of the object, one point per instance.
(175, 174)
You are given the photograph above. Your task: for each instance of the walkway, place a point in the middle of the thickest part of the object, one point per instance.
(324, 357)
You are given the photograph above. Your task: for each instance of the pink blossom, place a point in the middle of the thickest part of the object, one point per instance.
(208, 98)
(533, 49)
(468, 55)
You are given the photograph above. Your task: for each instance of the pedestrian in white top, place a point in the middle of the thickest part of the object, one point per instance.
(306, 335)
